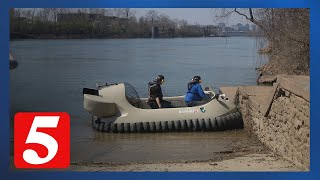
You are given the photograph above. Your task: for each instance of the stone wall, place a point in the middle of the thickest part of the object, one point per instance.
(282, 122)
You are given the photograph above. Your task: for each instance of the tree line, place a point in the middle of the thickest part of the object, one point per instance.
(94, 23)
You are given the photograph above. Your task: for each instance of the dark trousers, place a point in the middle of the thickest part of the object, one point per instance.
(194, 103)
(164, 104)
(190, 104)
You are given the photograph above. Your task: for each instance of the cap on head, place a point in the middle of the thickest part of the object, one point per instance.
(196, 78)
(160, 78)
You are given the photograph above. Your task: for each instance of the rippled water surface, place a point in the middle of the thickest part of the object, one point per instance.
(52, 73)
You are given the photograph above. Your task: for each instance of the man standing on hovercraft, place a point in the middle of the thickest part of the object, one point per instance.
(155, 100)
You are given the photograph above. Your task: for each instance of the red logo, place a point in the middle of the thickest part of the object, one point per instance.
(42, 140)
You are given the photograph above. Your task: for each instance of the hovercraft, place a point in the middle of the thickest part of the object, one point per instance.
(118, 108)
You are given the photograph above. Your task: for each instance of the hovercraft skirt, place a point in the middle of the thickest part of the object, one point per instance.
(226, 122)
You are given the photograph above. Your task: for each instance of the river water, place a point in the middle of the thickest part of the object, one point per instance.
(52, 73)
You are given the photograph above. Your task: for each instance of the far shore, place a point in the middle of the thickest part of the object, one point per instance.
(26, 36)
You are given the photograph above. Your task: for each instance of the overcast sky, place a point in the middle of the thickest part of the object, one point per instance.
(202, 16)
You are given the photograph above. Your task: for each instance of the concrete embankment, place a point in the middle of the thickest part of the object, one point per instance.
(278, 115)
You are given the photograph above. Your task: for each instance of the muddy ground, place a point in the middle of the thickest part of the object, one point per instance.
(194, 151)
(180, 151)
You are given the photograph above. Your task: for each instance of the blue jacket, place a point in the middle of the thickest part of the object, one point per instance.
(195, 93)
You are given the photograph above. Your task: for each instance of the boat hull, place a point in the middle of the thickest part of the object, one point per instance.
(116, 110)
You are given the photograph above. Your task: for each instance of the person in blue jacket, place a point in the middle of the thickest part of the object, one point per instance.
(195, 93)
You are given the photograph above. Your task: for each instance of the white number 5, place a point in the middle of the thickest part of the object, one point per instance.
(31, 156)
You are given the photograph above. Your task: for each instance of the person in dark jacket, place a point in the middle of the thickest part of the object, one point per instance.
(155, 99)
(195, 93)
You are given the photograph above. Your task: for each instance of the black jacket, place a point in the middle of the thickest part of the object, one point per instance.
(155, 90)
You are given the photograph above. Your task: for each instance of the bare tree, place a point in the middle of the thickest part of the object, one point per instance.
(287, 32)
(152, 16)
(30, 14)
(165, 21)
(125, 13)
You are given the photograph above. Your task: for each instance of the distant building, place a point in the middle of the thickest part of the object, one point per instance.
(229, 29)
(211, 30)
(222, 26)
(243, 27)
(253, 27)
(163, 32)
(194, 27)
(239, 30)
(238, 25)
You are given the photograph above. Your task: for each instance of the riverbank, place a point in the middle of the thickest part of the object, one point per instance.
(167, 152)
(279, 66)
(253, 162)
(279, 116)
